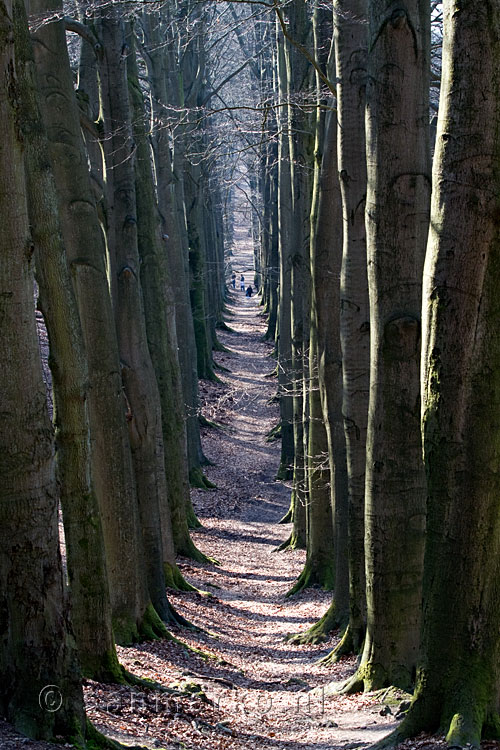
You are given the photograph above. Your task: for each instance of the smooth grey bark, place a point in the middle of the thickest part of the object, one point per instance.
(284, 238)
(397, 215)
(159, 311)
(320, 561)
(164, 76)
(327, 264)
(351, 40)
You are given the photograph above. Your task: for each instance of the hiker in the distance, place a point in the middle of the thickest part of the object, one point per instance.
(249, 291)
(233, 280)
(242, 283)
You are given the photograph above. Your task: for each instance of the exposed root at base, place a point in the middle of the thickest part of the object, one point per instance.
(320, 631)
(198, 480)
(324, 577)
(346, 647)
(294, 541)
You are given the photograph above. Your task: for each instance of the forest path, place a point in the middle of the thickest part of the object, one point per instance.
(260, 685)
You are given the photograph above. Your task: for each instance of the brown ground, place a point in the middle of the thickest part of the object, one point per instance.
(249, 688)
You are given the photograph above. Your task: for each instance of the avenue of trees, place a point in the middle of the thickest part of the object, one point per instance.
(131, 134)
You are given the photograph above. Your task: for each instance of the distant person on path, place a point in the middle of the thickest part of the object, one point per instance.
(233, 280)
(249, 291)
(242, 283)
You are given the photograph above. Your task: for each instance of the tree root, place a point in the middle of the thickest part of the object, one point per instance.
(344, 648)
(284, 472)
(198, 479)
(294, 541)
(320, 631)
(218, 346)
(176, 581)
(369, 677)
(287, 518)
(311, 575)
(274, 434)
(223, 326)
(189, 549)
(192, 519)
(94, 740)
(204, 422)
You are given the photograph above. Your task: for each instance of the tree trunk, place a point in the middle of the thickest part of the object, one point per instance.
(36, 649)
(397, 222)
(459, 672)
(139, 380)
(351, 41)
(159, 313)
(327, 264)
(111, 459)
(164, 75)
(284, 234)
(91, 607)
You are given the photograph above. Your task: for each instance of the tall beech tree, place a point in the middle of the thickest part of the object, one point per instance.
(320, 474)
(351, 39)
(397, 212)
(284, 347)
(159, 311)
(139, 379)
(90, 600)
(458, 677)
(36, 648)
(112, 468)
(159, 45)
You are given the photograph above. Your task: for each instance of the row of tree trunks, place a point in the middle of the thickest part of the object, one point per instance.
(139, 379)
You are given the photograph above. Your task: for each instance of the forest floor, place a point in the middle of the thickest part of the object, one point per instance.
(246, 687)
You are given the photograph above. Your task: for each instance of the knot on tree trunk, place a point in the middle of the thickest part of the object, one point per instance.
(402, 337)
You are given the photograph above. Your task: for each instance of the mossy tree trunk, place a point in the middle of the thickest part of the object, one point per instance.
(164, 75)
(327, 264)
(91, 607)
(458, 680)
(159, 311)
(300, 149)
(111, 459)
(139, 379)
(320, 561)
(36, 648)
(397, 213)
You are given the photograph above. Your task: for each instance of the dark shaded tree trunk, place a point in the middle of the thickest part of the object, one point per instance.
(91, 607)
(111, 460)
(458, 680)
(36, 648)
(139, 380)
(159, 310)
(285, 285)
